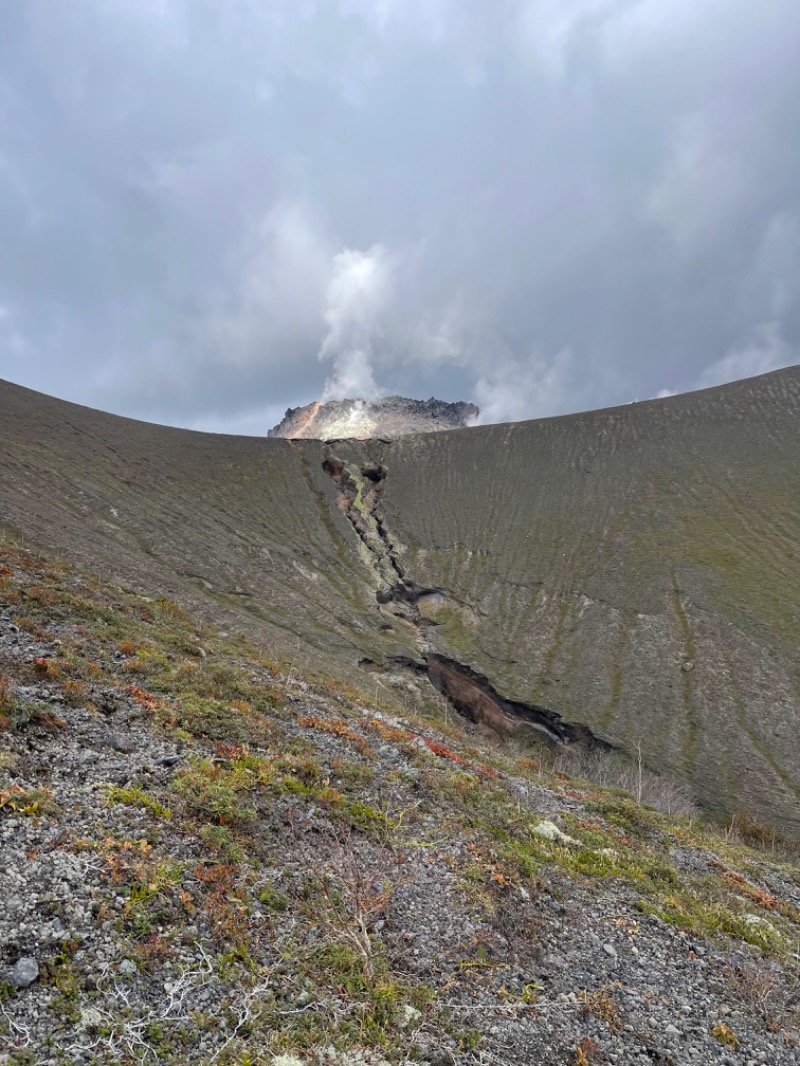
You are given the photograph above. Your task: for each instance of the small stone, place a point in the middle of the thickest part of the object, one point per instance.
(118, 743)
(436, 1056)
(550, 831)
(23, 973)
(127, 967)
(91, 1018)
(762, 923)
(610, 950)
(410, 1016)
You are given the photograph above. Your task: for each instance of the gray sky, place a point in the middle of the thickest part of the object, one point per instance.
(210, 211)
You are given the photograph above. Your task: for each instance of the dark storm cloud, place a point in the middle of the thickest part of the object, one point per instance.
(208, 211)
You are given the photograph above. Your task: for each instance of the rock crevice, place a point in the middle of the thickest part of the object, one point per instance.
(471, 695)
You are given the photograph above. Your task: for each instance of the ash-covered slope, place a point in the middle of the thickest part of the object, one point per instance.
(636, 569)
(626, 577)
(393, 416)
(242, 529)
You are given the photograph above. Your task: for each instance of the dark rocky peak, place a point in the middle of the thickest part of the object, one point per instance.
(392, 416)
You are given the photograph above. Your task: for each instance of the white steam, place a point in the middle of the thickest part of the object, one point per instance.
(378, 319)
(762, 351)
(512, 392)
(358, 297)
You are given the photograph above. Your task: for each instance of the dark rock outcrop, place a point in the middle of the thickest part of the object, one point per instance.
(393, 416)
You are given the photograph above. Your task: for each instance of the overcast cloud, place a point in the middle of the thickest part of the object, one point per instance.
(210, 211)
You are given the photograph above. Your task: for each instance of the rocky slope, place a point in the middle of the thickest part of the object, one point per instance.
(621, 580)
(212, 857)
(393, 416)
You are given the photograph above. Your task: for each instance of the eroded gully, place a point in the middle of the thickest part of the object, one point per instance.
(360, 488)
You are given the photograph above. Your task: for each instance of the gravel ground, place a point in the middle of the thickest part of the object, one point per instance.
(121, 928)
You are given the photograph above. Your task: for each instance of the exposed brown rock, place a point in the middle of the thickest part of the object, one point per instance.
(394, 416)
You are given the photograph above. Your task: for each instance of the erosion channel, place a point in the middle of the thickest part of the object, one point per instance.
(359, 490)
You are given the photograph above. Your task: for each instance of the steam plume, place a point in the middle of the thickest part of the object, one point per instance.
(358, 296)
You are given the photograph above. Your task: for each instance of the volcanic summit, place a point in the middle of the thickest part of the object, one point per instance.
(390, 417)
